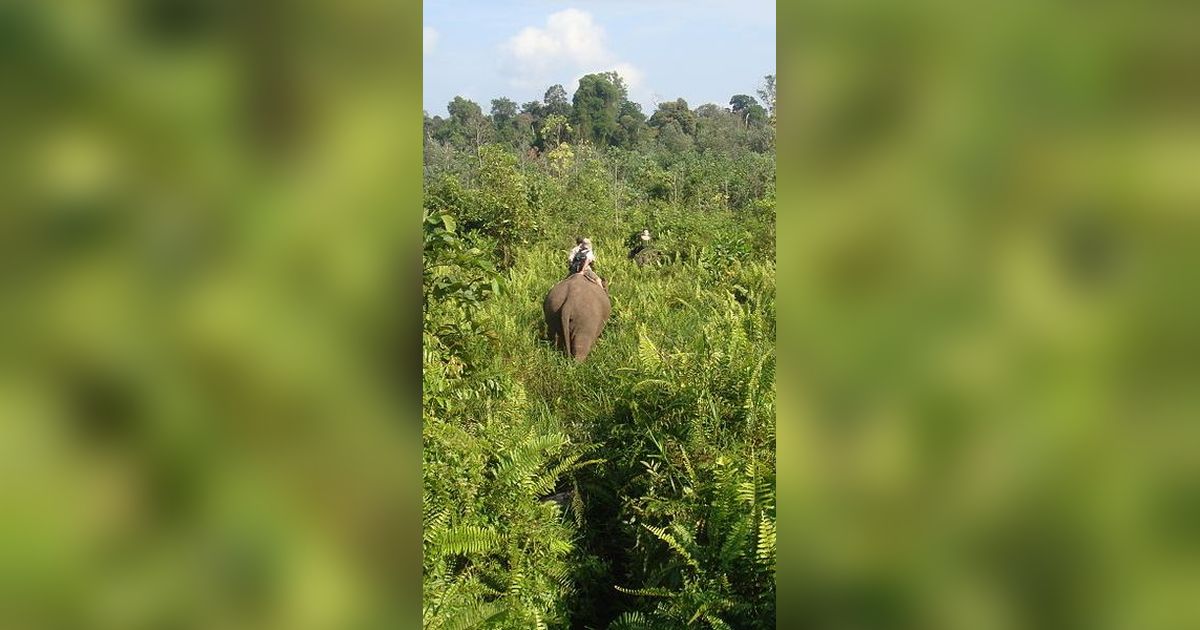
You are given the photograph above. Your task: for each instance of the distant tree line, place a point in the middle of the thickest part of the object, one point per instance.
(600, 114)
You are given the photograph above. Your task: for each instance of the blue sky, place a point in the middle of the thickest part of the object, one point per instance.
(701, 50)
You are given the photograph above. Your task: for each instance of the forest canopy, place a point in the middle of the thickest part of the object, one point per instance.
(600, 113)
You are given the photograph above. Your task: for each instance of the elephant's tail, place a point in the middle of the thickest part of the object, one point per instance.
(567, 337)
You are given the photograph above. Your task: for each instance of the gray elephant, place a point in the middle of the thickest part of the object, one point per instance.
(641, 250)
(576, 311)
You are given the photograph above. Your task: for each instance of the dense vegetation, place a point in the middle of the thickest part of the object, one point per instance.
(636, 489)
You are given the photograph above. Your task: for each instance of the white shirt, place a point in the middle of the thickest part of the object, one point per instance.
(591, 256)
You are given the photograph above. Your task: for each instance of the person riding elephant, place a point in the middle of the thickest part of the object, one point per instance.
(582, 259)
(639, 242)
(641, 250)
(576, 311)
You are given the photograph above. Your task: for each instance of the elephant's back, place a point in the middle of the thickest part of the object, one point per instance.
(588, 296)
(556, 296)
(580, 292)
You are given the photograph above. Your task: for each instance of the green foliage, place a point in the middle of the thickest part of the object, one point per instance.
(467, 127)
(600, 114)
(553, 130)
(674, 113)
(635, 490)
(597, 108)
(511, 130)
(767, 94)
(555, 101)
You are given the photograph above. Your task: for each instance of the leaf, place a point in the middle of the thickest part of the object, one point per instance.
(648, 355)
(766, 542)
(646, 592)
(464, 539)
(474, 617)
(666, 537)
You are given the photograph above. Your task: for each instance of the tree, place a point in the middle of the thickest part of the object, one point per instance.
(672, 138)
(534, 109)
(552, 130)
(525, 131)
(510, 130)
(717, 129)
(767, 94)
(467, 127)
(596, 109)
(503, 110)
(555, 102)
(616, 80)
(431, 126)
(532, 114)
(631, 122)
(747, 109)
(501, 208)
(674, 112)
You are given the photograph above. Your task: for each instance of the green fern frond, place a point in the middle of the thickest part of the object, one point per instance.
(716, 622)
(736, 333)
(766, 493)
(516, 584)
(464, 539)
(646, 592)
(737, 537)
(766, 542)
(665, 536)
(519, 466)
(747, 492)
(631, 620)
(687, 465)
(561, 547)
(474, 617)
(433, 523)
(547, 481)
(752, 398)
(577, 506)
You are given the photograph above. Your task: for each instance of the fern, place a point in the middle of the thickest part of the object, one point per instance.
(473, 617)
(686, 420)
(433, 523)
(464, 539)
(646, 592)
(519, 466)
(765, 551)
(577, 506)
(631, 620)
(546, 482)
(665, 536)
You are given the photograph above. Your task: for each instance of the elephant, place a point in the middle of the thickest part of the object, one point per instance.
(641, 250)
(576, 311)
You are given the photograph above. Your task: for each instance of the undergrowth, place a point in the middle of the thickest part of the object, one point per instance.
(635, 489)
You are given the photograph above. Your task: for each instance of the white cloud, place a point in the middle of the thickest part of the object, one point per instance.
(633, 77)
(571, 43)
(429, 39)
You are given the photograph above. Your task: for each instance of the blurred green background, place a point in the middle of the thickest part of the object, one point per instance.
(988, 344)
(209, 253)
(209, 217)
